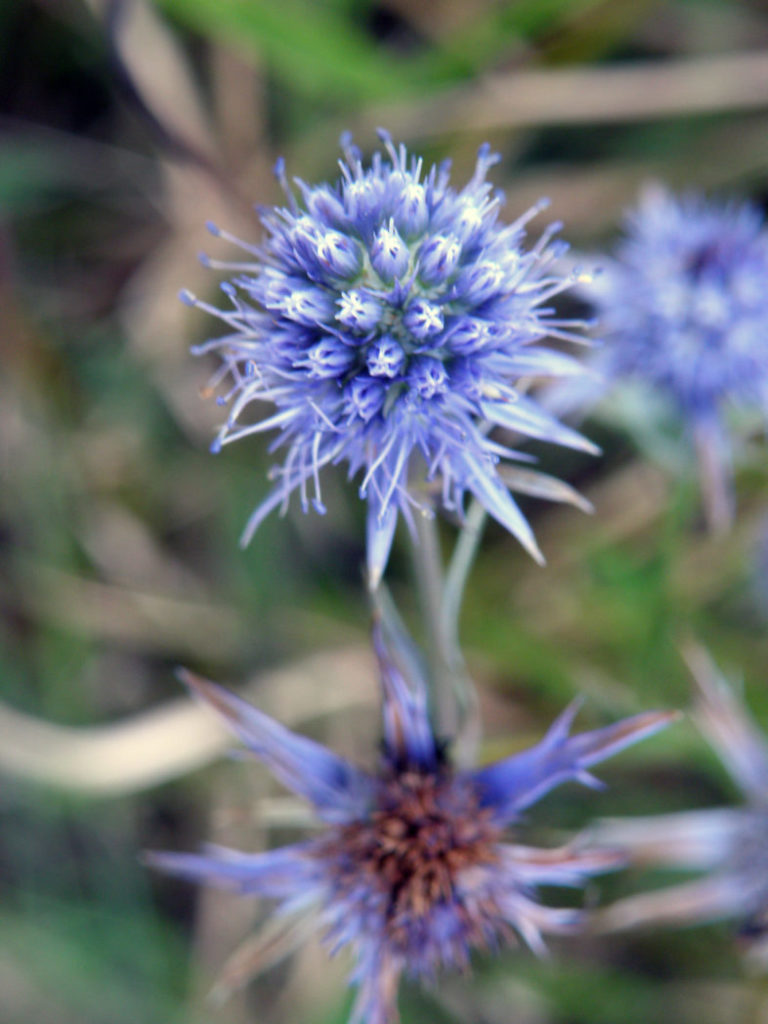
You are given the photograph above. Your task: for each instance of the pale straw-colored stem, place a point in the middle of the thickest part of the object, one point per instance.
(715, 477)
(620, 93)
(170, 741)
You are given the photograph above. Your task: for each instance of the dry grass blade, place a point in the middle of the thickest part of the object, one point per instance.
(649, 90)
(149, 621)
(156, 70)
(179, 737)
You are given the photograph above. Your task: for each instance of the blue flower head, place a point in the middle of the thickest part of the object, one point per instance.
(684, 304)
(413, 869)
(728, 846)
(386, 317)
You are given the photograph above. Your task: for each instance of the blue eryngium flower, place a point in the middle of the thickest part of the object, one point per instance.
(683, 306)
(389, 315)
(412, 870)
(684, 303)
(727, 845)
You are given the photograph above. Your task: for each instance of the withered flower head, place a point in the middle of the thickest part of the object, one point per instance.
(414, 869)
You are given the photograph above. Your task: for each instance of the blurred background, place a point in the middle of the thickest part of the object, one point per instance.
(124, 126)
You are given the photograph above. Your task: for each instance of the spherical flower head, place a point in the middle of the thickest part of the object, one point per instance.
(390, 316)
(414, 869)
(684, 304)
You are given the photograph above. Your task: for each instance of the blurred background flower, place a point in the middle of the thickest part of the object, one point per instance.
(125, 127)
(682, 308)
(389, 319)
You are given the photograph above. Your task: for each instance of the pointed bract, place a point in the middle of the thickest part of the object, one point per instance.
(380, 534)
(271, 873)
(741, 747)
(338, 790)
(525, 417)
(509, 786)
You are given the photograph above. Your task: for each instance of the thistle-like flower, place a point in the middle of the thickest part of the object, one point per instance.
(386, 316)
(729, 845)
(412, 870)
(683, 306)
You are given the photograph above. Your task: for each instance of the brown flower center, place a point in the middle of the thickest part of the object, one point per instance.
(424, 831)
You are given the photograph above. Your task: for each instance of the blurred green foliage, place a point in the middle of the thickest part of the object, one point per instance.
(115, 150)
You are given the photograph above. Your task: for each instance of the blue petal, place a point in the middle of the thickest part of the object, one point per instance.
(378, 976)
(545, 362)
(339, 791)
(511, 785)
(528, 418)
(273, 873)
(484, 483)
(380, 534)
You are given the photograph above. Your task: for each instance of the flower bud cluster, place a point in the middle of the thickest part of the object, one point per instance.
(391, 313)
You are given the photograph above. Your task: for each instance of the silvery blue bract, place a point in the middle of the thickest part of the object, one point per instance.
(386, 316)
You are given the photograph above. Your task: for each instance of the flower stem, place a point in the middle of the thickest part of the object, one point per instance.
(715, 476)
(454, 698)
(460, 566)
(428, 572)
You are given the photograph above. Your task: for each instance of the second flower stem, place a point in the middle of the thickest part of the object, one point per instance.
(454, 700)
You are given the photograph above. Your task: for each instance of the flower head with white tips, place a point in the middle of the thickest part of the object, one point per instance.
(414, 869)
(391, 316)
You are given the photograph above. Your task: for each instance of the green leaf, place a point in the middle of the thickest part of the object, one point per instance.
(311, 46)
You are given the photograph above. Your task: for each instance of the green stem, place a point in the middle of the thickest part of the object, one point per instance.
(459, 568)
(715, 476)
(454, 699)
(428, 573)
